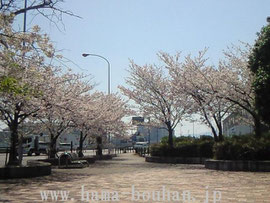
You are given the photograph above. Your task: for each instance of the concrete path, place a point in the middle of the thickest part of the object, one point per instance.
(128, 178)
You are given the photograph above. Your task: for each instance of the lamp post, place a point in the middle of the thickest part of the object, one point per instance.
(157, 133)
(109, 83)
(193, 127)
(24, 17)
(149, 136)
(109, 68)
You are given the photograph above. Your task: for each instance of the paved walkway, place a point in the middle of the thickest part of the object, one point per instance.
(128, 178)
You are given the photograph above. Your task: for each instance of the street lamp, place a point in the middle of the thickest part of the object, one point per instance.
(109, 82)
(109, 68)
(268, 19)
(24, 17)
(149, 136)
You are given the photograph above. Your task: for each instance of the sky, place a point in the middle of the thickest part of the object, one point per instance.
(121, 30)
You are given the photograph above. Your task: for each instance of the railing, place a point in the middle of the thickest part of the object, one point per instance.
(143, 151)
(105, 150)
(6, 151)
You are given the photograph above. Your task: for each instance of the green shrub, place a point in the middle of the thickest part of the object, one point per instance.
(185, 139)
(206, 138)
(243, 147)
(187, 149)
(176, 140)
(206, 149)
(161, 150)
(184, 147)
(226, 150)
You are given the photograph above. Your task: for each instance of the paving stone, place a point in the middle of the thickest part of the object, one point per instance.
(127, 171)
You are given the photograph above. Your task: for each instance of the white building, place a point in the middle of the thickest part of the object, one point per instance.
(236, 124)
(155, 134)
(145, 132)
(74, 137)
(4, 139)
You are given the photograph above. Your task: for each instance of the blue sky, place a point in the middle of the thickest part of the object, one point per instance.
(137, 29)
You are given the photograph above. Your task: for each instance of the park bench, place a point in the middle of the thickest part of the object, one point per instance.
(71, 160)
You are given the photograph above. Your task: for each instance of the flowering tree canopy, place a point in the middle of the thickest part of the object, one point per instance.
(235, 83)
(198, 81)
(59, 102)
(99, 113)
(50, 9)
(24, 72)
(153, 92)
(212, 92)
(218, 90)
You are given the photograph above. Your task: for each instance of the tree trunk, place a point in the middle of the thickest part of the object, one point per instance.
(52, 151)
(99, 146)
(210, 124)
(257, 126)
(80, 153)
(214, 133)
(170, 130)
(220, 135)
(13, 160)
(218, 121)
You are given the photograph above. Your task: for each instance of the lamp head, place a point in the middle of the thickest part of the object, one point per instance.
(84, 55)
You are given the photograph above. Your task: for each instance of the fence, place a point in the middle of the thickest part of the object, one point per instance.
(6, 151)
(143, 151)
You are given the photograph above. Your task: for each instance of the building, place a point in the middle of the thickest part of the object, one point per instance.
(4, 139)
(237, 124)
(146, 132)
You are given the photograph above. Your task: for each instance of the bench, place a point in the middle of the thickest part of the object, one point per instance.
(71, 160)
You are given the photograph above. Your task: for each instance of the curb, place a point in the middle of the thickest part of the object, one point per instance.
(238, 165)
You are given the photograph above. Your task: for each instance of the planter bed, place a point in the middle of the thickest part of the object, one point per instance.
(89, 159)
(55, 161)
(104, 157)
(175, 160)
(32, 169)
(52, 161)
(238, 165)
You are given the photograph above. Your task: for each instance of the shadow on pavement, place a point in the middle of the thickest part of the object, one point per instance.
(55, 177)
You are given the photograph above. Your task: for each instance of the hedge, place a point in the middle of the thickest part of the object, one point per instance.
(185, 147)
(243, 147)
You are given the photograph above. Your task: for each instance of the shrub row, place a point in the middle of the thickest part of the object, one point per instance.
(243, 147)
(185, 147)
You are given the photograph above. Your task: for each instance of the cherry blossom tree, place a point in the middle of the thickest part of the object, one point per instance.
(87, 118)
(235, 82)
(219, 90)
(114, 109)
(153, 93)
(99, 114)
(50, 9)
(23, 76)
(59, 102)
(199, 82)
